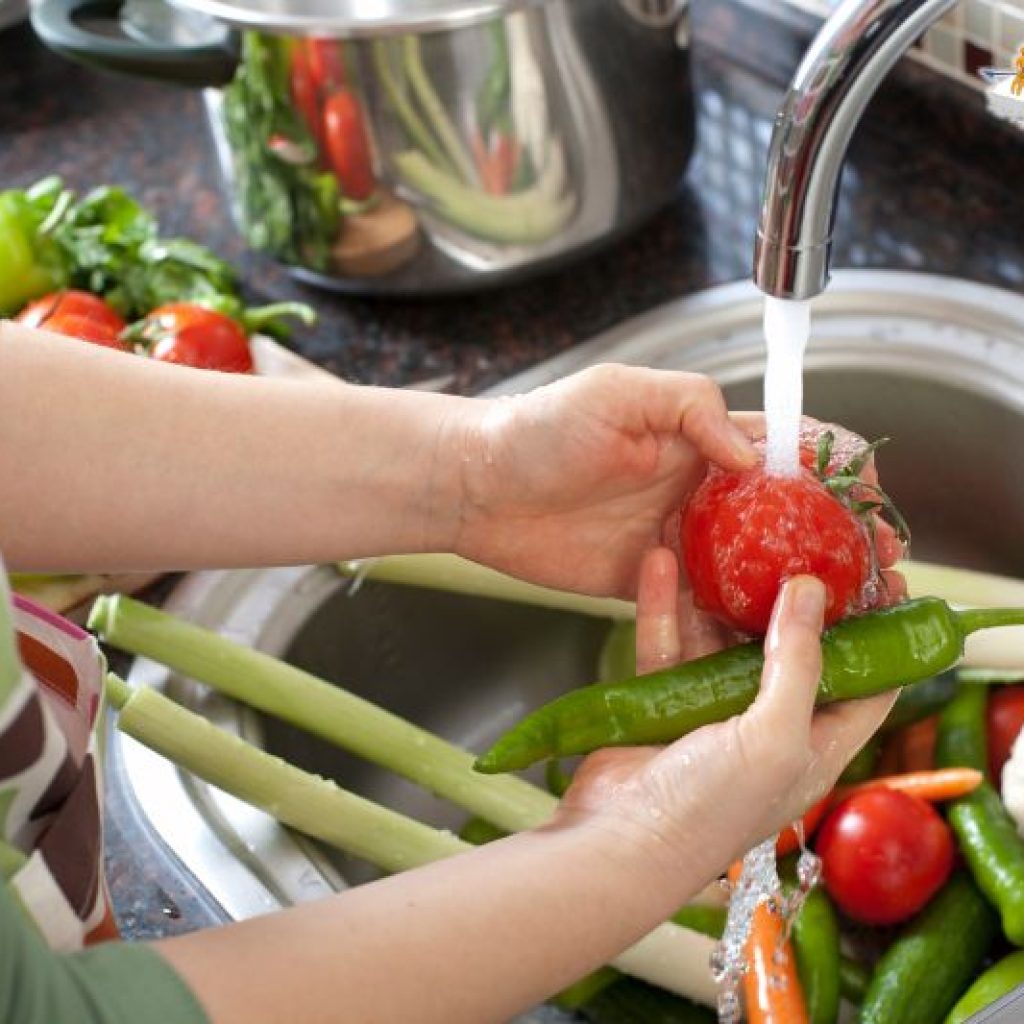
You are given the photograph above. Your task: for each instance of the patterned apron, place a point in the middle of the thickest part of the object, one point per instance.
(51, 832)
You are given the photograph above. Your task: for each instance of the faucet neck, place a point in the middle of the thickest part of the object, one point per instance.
(841, 71)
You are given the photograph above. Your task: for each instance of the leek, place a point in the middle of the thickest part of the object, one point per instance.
(328, 711)
(673, 958)
(459, 575)
(304, 801)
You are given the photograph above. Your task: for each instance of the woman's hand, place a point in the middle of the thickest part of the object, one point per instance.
(570, 484)
(708, 798)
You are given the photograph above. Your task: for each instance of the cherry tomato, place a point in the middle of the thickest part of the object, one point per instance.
(326, 63)
(192, 335)
(84, 329)
(884, 855)
(743, 534)
(71, 302)
(1005, 722)
(304, 94)
(348, 145)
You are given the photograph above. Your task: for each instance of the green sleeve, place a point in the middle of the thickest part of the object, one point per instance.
(114, 983)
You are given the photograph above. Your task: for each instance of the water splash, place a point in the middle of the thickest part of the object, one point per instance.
(758, 883)
(787, 326)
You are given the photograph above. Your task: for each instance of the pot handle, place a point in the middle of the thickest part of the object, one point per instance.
(59, 24)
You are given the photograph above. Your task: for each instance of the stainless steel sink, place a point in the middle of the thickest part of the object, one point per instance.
(936, 364)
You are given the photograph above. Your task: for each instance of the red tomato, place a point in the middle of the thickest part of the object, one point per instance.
(788, 841)
(1005, 722)
(348, 145)
(743, 534)
(326, 63)
(304, 94)
(884, 855)
(192, 335)
(71, 303)
(85, 329)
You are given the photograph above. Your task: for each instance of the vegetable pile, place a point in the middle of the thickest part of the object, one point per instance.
(97, 268)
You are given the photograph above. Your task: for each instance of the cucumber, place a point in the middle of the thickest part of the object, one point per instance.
(629, 1001)
(934, 959)
(1002, 977)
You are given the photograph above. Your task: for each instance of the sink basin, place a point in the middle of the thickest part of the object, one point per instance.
(936, 364)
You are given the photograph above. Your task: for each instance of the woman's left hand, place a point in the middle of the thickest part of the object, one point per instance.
(569, 485)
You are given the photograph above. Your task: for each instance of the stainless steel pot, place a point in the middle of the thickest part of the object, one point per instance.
(420, 146)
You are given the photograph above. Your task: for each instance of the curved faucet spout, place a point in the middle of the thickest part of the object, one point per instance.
(844, 66)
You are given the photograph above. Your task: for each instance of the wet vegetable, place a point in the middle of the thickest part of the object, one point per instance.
(815, 937)
(934, 958)
(884, 855)
(986, 834)
(628, 1001)
(863, 655)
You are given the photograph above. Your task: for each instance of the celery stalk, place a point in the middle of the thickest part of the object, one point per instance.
(304, 801)
(674, 958)
(451, 573)
(325, 710)
(521, 219)
(434, 109)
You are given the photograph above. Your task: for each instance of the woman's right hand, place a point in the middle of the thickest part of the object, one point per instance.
(712, 795)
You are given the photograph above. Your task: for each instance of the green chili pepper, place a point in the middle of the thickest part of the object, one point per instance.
(933, 959)
(816, 946)
(1002, 977)
(986, 833)
(961, 742)
(860, 656)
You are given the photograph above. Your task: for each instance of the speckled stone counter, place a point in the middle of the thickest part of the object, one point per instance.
(932, 184)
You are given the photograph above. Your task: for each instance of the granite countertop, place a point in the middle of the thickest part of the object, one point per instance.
(932, 184)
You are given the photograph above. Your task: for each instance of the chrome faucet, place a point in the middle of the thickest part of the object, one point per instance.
(844, 66)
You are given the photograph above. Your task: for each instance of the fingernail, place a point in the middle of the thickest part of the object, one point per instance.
(807, 597)
(742, 446)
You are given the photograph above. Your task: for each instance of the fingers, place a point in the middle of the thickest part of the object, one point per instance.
(657, 612)
(840, 730)
(692, 405)
(792, 665)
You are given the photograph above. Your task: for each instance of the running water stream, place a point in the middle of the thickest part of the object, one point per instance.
(787, 325)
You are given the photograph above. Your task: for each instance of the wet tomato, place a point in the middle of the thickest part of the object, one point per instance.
(743, 534)
(884, 854)
(71, 302)
(192, 335)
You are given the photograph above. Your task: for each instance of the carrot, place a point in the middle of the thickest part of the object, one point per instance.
(771, 986)
(788, 841)
(917, 745)
(934, 786)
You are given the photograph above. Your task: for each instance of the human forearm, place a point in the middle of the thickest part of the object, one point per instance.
(474, 939)
(139, 465)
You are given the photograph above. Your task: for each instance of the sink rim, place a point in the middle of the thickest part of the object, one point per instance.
(246, 861)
